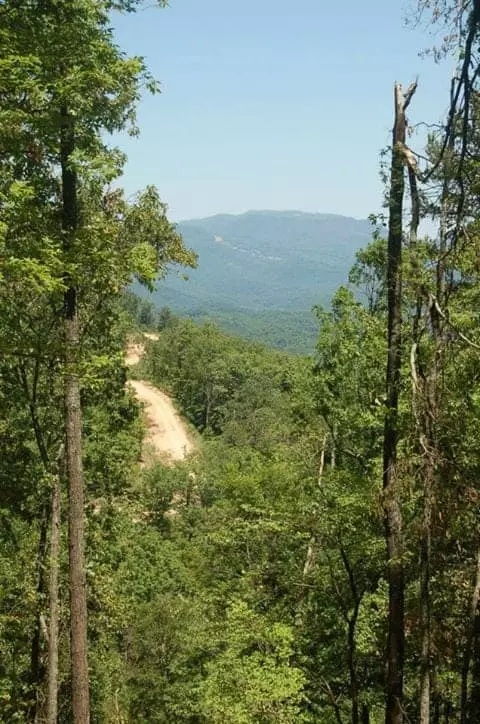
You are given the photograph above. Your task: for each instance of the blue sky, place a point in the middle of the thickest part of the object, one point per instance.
(273, 104)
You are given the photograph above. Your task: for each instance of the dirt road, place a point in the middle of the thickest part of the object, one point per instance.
(134, 354)
(167, 433)
(136, 350)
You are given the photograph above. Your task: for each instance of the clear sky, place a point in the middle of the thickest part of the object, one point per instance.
(273, 104)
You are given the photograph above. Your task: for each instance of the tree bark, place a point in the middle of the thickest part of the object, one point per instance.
(391, 496)
(467, 655)
(474, 700)
(425, 619)
(53, 623)
(312, 548)
(424, 410)
(73, 440)
(365, 714)
(37, 667)
(357, 596)
(352, 669)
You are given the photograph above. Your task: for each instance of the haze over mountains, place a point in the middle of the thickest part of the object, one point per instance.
(264, 268)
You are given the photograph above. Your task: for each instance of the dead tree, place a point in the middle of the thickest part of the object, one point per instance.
(391, 493)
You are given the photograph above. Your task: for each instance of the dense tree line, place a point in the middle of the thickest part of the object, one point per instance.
(283, 517)
(69, 244)
(290, 331)
(318, 560)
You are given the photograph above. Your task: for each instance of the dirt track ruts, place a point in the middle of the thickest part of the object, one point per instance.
(167, 433)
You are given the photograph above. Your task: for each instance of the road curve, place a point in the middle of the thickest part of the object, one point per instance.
(167, 432)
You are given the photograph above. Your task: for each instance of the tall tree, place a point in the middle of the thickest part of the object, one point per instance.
(73, 434)
(64, 82)
(391, 483)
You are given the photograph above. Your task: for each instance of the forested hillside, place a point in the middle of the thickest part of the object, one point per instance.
(270, 259)
(314, 555)
(260, 273)
(291, 331)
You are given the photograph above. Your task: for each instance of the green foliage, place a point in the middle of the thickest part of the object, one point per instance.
(291, 331)
(57, 61)
(210, 372)
(246, 584)
(294, 331)
(252, 679)
(244, 525)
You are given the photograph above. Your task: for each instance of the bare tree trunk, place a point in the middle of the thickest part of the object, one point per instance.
(312, 548)
(73, 438)
(333, 702)
(352, 669)
(37, 666)
(467, 655)
(365, 714)
(429, 406)
(391, 496)
(436, 700)
(425, 619)
(37, 713)
(333, 452)
(474, 700)
(321, 464)
(424, 405)
(52, 673)
(352, 620)
(312, 543)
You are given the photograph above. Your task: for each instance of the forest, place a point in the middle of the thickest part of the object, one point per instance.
(293, 331)
(316, 558)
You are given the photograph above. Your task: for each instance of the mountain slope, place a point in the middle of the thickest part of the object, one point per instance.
(260, 273)
(269, 260)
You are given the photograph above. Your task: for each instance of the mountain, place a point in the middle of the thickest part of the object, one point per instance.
(266, 265)
(269, 259)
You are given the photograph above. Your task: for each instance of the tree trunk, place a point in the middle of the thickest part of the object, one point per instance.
(436, 702)
(428, 439)
(354, 689)
(391, 496)
(73, 439)
(425, 622)
(311, 555)
(467, 655)
(474, 701)
(333, 452)
(429, 404)
(52, 674)
(424, 411)
(37, 667)
(351, 638)
(321, 464)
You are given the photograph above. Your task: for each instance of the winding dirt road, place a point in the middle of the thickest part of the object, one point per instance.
(167, 433)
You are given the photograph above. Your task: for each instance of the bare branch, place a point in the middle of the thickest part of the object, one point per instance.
(434, 302)
(409, 94)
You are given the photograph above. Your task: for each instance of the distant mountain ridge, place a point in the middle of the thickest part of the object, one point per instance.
(264, 262)
(270, 259)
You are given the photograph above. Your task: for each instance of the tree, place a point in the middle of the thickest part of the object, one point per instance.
(146, 315)
(391, 482)
(71, 83)
(165, 318)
